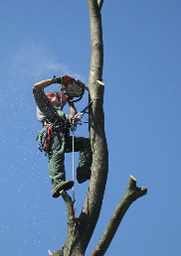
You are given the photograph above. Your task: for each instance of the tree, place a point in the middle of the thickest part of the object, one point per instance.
(80, 229)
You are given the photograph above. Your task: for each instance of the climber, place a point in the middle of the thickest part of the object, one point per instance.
(55, 138)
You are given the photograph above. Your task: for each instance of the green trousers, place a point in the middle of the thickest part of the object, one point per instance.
(59, 146)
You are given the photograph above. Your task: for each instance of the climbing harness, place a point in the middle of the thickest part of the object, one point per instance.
(46, 134)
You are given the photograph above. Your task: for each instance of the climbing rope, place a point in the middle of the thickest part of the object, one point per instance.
(74, 121)
(73, 165)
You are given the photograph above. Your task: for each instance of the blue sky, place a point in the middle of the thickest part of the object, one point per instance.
(142, 77)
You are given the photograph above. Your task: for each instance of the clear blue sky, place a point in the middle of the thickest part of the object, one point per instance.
(142, 76)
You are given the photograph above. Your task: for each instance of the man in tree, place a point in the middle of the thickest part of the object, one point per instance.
(55, 138)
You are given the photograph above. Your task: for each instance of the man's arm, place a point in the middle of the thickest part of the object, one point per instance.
(73, 110)
(42, 84)
(44, 105)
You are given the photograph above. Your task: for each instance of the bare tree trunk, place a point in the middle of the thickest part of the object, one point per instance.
(81, 229)
(93, 202)
(88, 218)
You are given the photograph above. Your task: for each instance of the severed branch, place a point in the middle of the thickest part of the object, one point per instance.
(56, 253)
(132, 193)
(100, 83)
(100, 3)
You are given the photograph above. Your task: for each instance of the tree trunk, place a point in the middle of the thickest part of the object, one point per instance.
(81, 229)
(93, 202)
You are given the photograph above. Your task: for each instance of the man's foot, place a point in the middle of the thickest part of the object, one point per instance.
(83, 174)
(64, 185)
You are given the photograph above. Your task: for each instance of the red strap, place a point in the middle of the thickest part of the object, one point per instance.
(48, 139)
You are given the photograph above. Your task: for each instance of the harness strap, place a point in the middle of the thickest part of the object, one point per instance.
(48, 139)
(42, 139)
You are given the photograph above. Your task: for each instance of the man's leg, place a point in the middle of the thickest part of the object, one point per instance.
(56, 166)
(82, 145)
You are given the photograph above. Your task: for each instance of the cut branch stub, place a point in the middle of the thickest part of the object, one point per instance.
(55, 253)
(100, 3)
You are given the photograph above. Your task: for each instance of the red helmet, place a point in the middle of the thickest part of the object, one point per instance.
(61, 98)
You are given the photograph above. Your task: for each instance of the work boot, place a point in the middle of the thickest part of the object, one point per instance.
(83, 174)
(64, 185)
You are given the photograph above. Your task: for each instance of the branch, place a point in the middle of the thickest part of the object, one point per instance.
(70, 206)
(71, 222)
(132, 193)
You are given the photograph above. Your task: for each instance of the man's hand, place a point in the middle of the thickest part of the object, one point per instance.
(57, 80)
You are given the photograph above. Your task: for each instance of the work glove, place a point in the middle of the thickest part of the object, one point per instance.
(57, 80)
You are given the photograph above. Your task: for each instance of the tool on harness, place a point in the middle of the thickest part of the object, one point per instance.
(41, 138)
(71, 88)
(45, 139)
(76, 119)
(48, 139)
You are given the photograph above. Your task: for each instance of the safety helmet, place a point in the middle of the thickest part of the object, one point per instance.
(60, 96)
